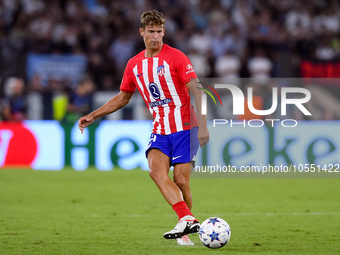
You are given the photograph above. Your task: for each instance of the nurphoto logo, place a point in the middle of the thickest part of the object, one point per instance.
(239, 103)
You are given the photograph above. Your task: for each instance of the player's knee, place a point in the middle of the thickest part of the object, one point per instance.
(152, 174)
(156, 176)
(181, 182)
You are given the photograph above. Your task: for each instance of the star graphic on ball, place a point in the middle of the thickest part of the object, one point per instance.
(213, 221)
(214, 236)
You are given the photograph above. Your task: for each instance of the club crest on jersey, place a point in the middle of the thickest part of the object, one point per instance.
(153, 88)
(160, 70)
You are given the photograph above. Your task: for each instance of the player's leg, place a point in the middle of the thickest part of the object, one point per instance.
(159, 165)
(184, 151)
(159, 155)
(185, 145)
(181, 177)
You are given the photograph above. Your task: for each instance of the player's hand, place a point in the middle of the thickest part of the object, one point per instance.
(203, 136)
(84, 122)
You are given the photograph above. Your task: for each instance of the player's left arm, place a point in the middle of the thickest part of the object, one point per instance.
(203, 132)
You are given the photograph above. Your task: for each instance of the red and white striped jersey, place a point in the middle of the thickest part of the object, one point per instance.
(162, 80)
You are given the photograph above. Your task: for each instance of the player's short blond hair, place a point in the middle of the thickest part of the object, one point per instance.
(152, 18)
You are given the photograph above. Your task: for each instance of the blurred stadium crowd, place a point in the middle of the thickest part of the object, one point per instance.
(223, 39)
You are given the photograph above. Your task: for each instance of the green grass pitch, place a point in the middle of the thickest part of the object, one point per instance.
(122, 212)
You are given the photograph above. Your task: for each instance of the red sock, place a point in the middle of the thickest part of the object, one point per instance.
(181, 209)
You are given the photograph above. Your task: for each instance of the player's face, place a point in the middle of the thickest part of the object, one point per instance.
(153, 36)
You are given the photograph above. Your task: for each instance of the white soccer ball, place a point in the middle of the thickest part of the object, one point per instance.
(214, 232)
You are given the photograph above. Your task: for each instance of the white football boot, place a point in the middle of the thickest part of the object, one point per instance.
(186, 225)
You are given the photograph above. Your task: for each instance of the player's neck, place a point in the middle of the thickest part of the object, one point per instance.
(150, 53)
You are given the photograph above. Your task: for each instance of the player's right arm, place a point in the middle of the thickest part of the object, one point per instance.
(110, 106)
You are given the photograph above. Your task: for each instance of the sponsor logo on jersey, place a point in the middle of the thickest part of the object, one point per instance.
(190, 69)
(153, 88)
(160, 70)
(160, 102)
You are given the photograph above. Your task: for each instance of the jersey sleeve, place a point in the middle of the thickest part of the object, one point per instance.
(185, 68)
(128, 84)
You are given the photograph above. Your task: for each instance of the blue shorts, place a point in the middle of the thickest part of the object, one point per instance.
(180, 147)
